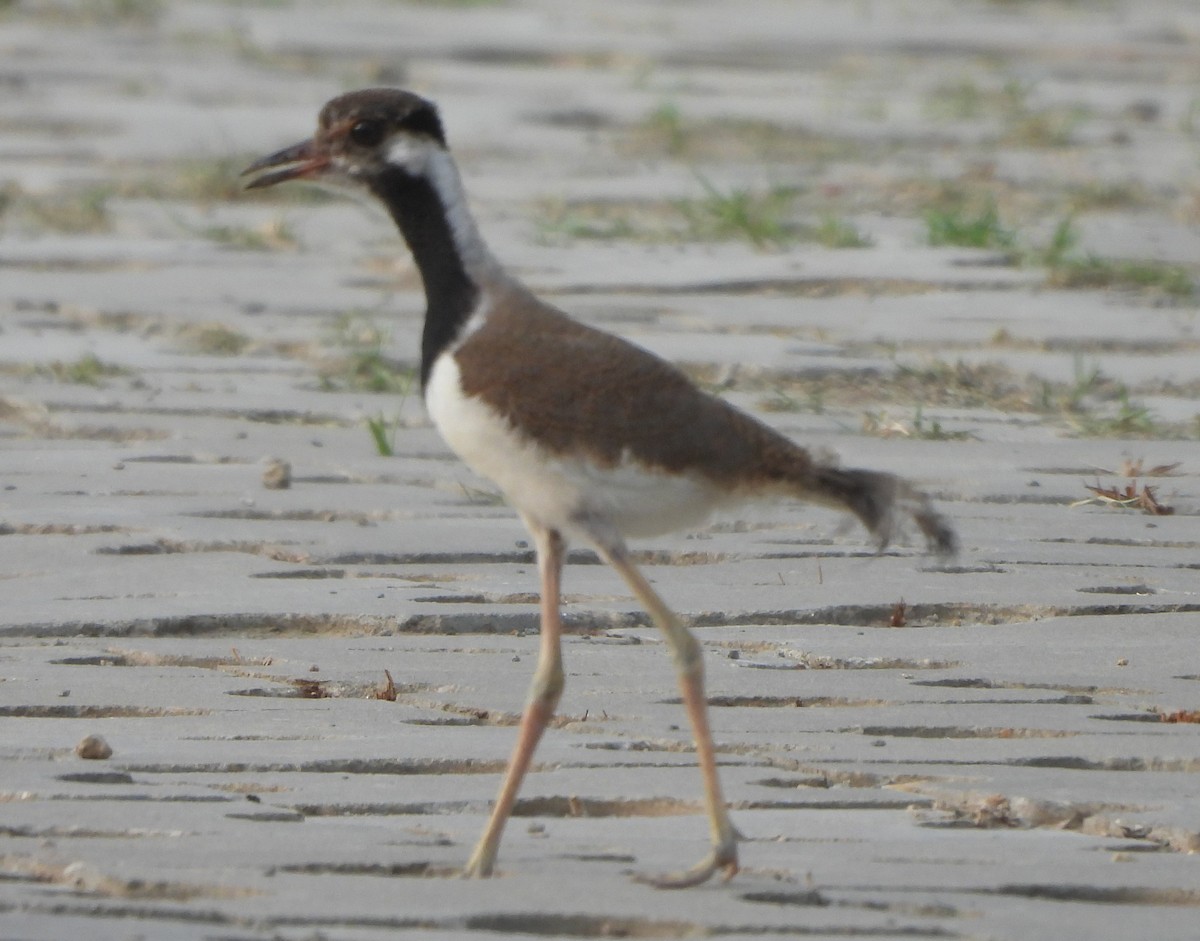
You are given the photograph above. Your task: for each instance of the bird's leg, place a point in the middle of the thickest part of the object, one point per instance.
(690, 667)
(544, 693)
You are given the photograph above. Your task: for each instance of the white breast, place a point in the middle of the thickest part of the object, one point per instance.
(556, 489)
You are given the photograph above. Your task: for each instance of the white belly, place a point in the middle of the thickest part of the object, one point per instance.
(556, 490)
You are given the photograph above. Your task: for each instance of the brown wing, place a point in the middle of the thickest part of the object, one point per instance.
(576, 389)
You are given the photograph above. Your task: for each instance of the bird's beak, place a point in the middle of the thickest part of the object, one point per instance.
(299, 162)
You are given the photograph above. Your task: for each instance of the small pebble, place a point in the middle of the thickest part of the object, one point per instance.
(83, 877)
(93, 746)
(277, 475)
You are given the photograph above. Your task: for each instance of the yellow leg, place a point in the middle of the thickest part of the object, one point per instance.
(544, 694)
(690, 666)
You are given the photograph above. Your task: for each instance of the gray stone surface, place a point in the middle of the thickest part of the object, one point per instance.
(974, 750)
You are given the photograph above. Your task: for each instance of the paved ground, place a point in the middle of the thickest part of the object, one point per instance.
(1003, 747)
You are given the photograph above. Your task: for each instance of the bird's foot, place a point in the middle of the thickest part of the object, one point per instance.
(723, 859)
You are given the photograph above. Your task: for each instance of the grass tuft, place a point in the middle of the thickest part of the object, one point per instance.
(833, 232)
(383, 433)
(1068, 268)
(956, 224)
(274, 235)
(214, 339)
(71, 210)
(761, 218)
(366, 366)
(561, 220)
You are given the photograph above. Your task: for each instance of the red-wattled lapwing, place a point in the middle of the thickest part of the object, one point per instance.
(588, 436)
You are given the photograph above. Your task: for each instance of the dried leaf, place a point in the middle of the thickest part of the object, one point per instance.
(1151, 505)
(1135, 468)
(388, 690)
(1180, 715)
(1128, 498)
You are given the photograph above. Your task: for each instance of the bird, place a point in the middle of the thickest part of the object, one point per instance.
(591, 438)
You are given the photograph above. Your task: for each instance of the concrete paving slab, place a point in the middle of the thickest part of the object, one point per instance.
(1000, 746)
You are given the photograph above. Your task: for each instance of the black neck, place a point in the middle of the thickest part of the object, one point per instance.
(450, 294)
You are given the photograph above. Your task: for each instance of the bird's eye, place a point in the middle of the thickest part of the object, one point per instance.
(367, 133)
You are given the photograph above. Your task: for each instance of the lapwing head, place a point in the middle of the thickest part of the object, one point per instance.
(360, 136)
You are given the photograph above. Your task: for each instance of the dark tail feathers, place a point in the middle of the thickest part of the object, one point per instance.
(882, 500)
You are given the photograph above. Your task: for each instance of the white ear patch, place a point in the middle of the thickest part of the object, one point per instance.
(410, 153)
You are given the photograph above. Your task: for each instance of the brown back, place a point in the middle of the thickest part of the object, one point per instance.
(575, 389)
